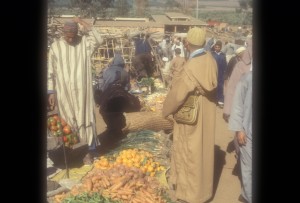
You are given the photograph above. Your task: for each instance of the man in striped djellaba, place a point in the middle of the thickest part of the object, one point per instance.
(70, 79)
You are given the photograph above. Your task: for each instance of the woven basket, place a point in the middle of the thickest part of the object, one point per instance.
(136, 121)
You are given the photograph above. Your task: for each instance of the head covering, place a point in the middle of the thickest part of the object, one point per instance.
(239, 50)
(165, 59)
(118, 60)
(70, 26)
(248, 42)
(196, 36)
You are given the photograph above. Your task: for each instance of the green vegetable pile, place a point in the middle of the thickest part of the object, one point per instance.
(88, 198)
(146, 82)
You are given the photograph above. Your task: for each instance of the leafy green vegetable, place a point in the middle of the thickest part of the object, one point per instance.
(88, 198)
(146, 82)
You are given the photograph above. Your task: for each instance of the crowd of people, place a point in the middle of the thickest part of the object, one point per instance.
(220, 72)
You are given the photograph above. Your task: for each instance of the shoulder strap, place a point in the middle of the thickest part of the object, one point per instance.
(199, 89)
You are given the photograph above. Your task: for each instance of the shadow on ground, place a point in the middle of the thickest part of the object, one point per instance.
(237, 169)
(63, 157)
(109, 140)
(218, 167)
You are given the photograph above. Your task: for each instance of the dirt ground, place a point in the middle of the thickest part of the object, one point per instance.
(227, 186)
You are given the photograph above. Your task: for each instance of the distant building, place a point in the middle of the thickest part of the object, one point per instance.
(174, 22)
(171, 22)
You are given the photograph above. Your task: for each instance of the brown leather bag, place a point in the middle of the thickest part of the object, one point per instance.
(188, 112)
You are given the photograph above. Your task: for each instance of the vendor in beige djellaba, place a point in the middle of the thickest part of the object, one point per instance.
(192, 161)
(70, 80)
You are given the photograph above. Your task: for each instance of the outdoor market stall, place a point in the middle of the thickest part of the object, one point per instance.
(134, 171)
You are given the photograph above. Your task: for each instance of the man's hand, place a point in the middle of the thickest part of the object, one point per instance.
(85, 25)
(226, 117)
(51, 101)
(241, 137)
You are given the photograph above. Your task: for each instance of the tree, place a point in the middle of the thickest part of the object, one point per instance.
(244, 5)
(122, 7)
(104, 5)
(51, 7)
(140, 6)
(171, 4)
(250, 3)
(92, 8)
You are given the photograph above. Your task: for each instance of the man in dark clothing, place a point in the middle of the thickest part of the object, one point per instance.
(221, 62)
(141, 45)
(142, 62)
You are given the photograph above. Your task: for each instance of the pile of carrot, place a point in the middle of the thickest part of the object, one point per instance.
(121, 183)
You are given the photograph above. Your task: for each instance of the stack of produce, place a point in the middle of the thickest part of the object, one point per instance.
(131, 158)
(118, 184)
(127, 174)
(59, 128)
(158, 84)
(153, 102)
(157, 143)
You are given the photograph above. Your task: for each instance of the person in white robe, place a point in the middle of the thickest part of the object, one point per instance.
(69, 79)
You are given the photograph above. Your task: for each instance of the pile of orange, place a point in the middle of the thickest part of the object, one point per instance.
(132, 158)
(60, 128)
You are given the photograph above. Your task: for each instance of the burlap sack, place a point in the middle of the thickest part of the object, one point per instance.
(154, 121)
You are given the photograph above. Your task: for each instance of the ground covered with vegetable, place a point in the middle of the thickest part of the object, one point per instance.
(134, 172)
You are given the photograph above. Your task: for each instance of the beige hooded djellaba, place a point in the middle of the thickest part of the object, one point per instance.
(192, 162)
